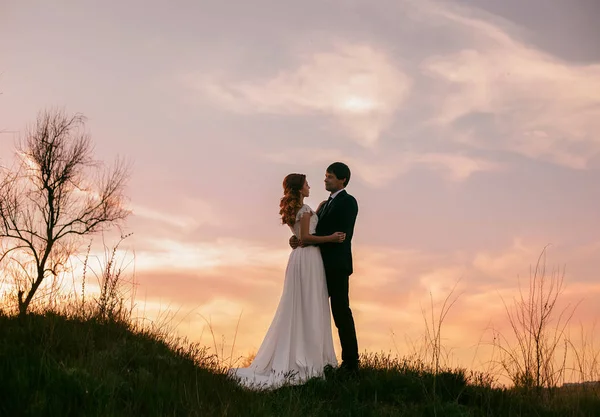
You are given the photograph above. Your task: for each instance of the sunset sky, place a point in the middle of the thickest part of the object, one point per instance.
(472, 129)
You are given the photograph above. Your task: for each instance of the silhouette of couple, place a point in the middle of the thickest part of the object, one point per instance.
(298, 344)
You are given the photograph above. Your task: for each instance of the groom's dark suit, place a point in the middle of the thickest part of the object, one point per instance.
(339, 215)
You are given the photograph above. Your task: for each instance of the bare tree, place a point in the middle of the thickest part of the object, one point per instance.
(54, 196)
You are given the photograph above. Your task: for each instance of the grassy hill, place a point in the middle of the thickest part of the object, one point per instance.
(69, 365)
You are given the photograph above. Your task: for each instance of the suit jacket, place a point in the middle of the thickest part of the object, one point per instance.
(340, 216)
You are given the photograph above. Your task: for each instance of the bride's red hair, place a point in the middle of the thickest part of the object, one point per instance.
(291, 201)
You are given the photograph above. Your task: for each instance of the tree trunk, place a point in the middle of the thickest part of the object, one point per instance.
(23, 305)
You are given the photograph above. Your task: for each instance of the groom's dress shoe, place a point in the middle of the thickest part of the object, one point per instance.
(349, 365)
(348, 369)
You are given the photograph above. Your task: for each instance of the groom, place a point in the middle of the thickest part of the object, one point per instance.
(338, 214)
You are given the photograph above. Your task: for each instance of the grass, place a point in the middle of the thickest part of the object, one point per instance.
(73, 364)
(87, 356)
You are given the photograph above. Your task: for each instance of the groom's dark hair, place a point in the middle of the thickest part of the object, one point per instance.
(341, 171)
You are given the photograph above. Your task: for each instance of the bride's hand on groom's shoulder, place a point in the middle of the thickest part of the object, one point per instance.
(321, 205)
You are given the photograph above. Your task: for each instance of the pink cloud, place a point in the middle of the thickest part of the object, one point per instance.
(356, 84)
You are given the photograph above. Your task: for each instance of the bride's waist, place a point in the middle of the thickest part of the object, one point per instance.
(314, 248)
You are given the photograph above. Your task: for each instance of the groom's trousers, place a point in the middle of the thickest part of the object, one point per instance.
(338, 288)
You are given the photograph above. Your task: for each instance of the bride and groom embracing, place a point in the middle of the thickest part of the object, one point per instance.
(298, 344)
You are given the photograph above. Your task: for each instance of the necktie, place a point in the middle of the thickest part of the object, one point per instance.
(327, 205)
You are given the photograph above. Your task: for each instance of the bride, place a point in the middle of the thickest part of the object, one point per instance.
(299, 343)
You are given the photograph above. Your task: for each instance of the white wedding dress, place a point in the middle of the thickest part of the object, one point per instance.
(299, 342)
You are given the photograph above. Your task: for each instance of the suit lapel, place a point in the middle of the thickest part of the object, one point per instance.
(320, 212)
(332, 203)
(326, 209)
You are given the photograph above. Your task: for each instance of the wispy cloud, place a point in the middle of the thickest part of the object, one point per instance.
(179, 221)
(498, 92)
(357, 84)
(189, 213)
(174, 255)
(483, 88)
(379, 170)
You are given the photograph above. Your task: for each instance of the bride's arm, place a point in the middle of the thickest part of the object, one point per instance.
(306, 237)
